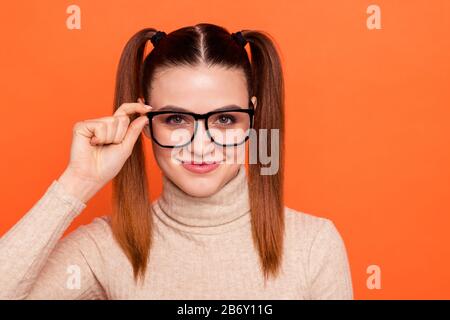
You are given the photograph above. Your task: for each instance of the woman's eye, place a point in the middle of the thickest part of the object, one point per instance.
(225, 119)
(175, 119)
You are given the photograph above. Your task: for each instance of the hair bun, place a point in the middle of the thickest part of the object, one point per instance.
(156, 37)
(239, 38)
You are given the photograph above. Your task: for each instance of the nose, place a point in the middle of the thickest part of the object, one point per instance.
(201, 145)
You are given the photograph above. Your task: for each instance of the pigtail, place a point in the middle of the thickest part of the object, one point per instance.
(131, 220)
(266, 201)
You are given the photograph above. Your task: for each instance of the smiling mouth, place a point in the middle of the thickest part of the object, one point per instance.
(201, 167)
(203, 163)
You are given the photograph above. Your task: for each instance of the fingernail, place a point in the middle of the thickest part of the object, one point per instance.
(148, 107)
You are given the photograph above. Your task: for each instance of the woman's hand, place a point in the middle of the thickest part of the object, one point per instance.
(100, 148)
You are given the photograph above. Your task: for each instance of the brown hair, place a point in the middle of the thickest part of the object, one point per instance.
(213, 45)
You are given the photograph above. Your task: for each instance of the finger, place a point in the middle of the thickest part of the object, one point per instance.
(131, 108)
(133, 132)
(106, 134)
(113, 125)
(93, 130)
(122, 127)
(112, 129)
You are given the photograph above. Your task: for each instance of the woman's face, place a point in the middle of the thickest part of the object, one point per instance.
(200, 90)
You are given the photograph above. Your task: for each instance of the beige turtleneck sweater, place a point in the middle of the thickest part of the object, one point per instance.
(202, 250)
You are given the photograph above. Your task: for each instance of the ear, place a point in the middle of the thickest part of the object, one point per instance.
(146, 131)
(254, 100)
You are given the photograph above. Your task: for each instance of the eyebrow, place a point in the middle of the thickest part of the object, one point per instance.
(175, 108)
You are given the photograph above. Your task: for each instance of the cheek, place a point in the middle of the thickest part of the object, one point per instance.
(235, 155)
(162, 155)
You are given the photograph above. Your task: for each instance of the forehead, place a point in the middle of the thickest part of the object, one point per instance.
(199, 89)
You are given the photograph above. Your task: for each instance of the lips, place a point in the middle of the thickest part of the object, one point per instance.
(200, 167)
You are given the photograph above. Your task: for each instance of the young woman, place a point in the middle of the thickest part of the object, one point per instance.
(215, 232)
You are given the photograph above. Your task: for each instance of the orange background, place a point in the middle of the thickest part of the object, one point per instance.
(368, 131)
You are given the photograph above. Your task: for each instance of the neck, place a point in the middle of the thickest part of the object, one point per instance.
(223, 211)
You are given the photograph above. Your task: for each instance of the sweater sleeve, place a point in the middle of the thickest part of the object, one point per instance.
(329, 269)
(35, 263)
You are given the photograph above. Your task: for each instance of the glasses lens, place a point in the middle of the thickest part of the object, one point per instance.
(173, 129)
(229, 127)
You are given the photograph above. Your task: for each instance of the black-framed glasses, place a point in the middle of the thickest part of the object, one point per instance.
(175, 129)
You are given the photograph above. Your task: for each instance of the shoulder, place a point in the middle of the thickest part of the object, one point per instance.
(99, 226)
(311, 232)
(309, 225)
(322, 253)
(96, 234)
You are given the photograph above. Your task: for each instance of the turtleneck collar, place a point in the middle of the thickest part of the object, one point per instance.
(223, 211)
